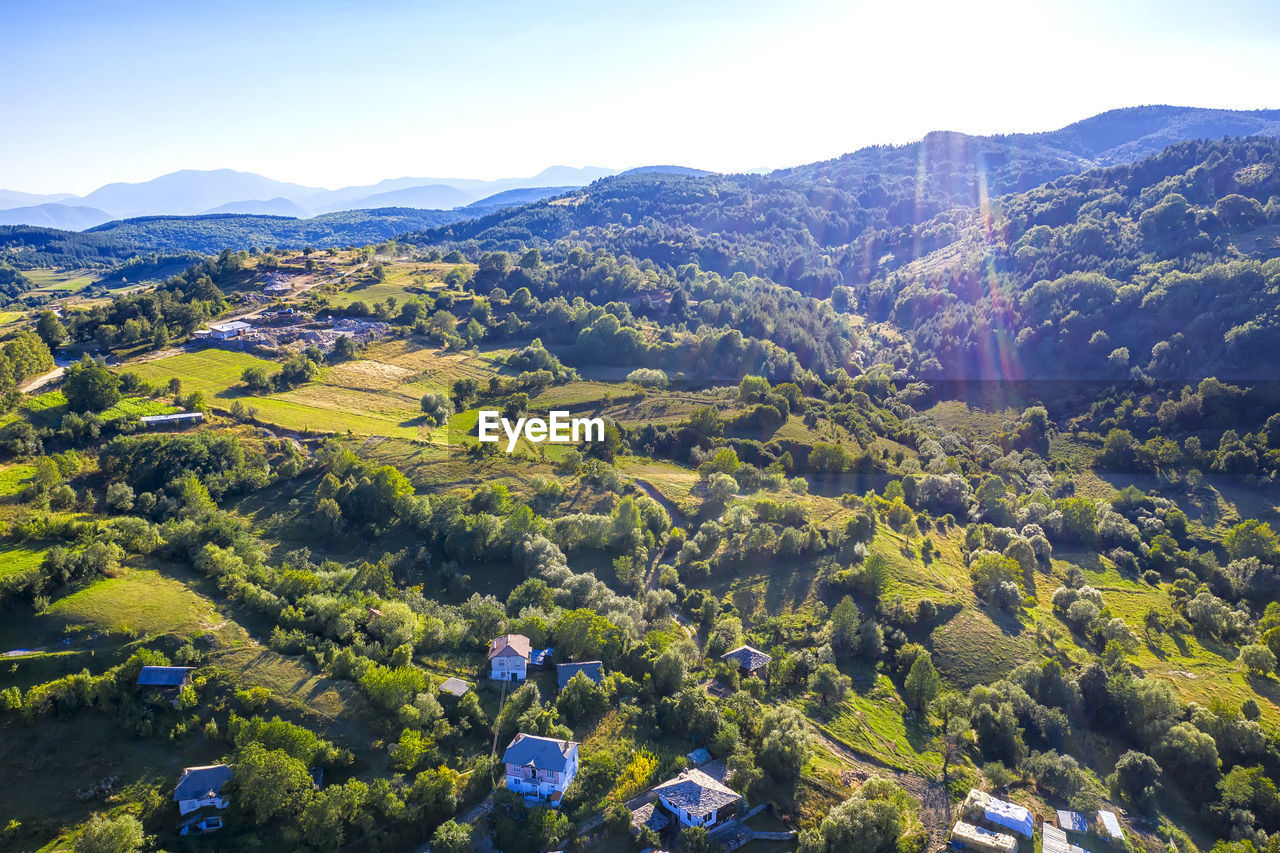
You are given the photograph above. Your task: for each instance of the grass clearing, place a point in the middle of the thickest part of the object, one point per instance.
(139, 602)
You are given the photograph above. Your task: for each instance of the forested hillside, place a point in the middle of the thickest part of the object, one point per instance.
(928, 469)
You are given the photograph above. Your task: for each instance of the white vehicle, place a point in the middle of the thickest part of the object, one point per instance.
(209, 824)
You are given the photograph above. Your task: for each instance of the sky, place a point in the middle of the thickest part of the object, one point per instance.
(330, 94)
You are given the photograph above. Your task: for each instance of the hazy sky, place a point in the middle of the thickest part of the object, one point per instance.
(335, 93)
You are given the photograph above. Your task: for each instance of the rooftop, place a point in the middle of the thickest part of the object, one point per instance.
(199, 782)
(648, 816)
(510, 644)
(747, 657)
(541, 753)
(163, 676)
(233, 326)
(592, 669)
(1112, 823)
(454, 686)
(696, 793)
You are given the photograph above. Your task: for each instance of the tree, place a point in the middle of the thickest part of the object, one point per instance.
(873, 820)
(256, 379)
(1251, 538)
(451, 837)
(922, 683)
(90, 387)
(436, 408)
(1136, 776)
(720, 488)
(50, 329)
(843, 626)
(829, 683)
(1192, 757)
(110, 835)
(270, 783)
(696, 839)
(1258, 659)
(580, 699)
(786, 744)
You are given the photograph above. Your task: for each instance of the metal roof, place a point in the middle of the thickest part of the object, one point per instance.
(542, 753)
(1073, 821)
(172, 418)
(163, 676)
(233, 326)
(200, 782)
(592, 669)
(1112, 823)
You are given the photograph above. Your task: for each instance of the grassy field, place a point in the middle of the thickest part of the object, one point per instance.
(1200, 670)
(139, 602)
(17, 560)
(13, 478)
(872, 720)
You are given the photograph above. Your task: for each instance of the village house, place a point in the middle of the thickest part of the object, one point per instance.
(592, 669)
(750, 661)
(695, 799)
(540, 768)
(509, 657)
(202, 786)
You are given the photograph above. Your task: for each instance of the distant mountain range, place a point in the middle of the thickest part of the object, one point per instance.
(193, 192)
(850, 219)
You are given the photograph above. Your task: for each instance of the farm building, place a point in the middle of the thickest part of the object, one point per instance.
(202, 786)
(509, 657)
(750, 661)
(592, 669)
(1055, 841)
(175, 419)
(1002, 813)
(164, 676)
(970, 837)
(226, 331)
(1072, 821)
(1111, 824)
(540, 768)
(695, 799)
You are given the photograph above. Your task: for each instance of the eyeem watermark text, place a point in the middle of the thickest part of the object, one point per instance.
(557, 428)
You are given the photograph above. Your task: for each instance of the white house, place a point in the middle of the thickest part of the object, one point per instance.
(540, 768)
(509, 657)
(696, 799)
(201, 786)
(225, 331)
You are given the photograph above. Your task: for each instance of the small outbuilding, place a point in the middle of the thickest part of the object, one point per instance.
(1072, 821)
(1002, 813)
(454, 686)
(592, 669)
(751, 661)
(966, 836)
(175, 419)
(1111, 824)
(175, 677)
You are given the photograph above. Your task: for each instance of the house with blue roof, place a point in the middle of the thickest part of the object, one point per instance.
(540, 768)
